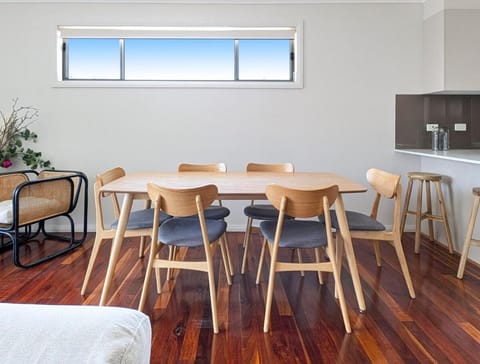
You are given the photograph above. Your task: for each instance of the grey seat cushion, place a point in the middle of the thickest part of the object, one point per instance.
(296, 233)
(141, 219)
(186, 231)
(356, 221)
(216, 212)
(262, 212)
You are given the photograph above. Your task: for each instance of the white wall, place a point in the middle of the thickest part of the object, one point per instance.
(356, 57)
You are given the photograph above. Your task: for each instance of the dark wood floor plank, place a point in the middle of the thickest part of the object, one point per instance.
(441, 325)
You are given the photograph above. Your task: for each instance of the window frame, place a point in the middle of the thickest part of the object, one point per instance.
(294, 33)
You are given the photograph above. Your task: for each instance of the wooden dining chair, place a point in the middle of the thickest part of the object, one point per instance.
(301, 234)
(186, 232)
(216, 212)
(139, 221)
(256, 211)
(367, 227)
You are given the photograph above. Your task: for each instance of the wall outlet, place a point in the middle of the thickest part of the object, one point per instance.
(432, 127)
(460, 127)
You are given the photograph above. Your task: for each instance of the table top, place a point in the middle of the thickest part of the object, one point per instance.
(232, 185)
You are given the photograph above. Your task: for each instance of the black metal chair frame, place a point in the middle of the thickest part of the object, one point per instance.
(20, 234)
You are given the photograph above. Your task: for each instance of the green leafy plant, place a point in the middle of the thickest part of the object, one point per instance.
(14, 131)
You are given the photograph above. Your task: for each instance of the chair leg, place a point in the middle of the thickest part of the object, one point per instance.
(229, 259)
(246, 240)
(443, 210)
(339, 291)
(338, 255)
(418, 218)
(271, 282)
(224, 251)
(172, 252)
(93, 257)
(468, 237)
(397, 243)
(339, 250)
(148, 273)
(141, 249)
(213, 296)
(158, 278)
(378, 253)
(300, 260)
(406, 205)
(428, 193)
(318, 257)
(260, 262)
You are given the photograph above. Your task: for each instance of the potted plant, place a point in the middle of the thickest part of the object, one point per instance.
(14, 131)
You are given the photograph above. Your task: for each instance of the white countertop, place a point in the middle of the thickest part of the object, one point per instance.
(459, 155)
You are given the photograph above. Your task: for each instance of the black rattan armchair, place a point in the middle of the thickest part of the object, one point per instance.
(29, 199)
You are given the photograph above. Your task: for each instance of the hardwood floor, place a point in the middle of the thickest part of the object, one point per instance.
(441, 325)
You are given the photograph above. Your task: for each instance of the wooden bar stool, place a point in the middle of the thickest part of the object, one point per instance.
(419, 215)
(468, 238)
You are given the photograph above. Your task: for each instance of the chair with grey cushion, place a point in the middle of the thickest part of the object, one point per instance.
(211, 212)
(139, 221)
(185, 231)
(367, 227)
(215, 212)
(263, 211)
(300, 234)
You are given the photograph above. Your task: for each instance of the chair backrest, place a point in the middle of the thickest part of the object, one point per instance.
(78, 179)
(182, 202)
(43, 198)
(302, 203)
(279, 167)
(101, 180)
(384, 183)
(387, 185)
(207, 167)
(9, 182)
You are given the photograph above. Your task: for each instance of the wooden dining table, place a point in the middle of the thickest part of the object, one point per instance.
(231, 186)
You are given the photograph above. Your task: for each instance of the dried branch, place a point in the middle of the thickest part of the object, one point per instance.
(14, 129)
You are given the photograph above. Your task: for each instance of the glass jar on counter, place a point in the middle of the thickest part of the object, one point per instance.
(444, 139)
(435, 139)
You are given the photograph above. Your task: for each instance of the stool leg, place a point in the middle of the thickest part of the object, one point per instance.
(468, 238)
(406, 205)
(418, 217)
(246, 240)
(444, 216)
(428, 193)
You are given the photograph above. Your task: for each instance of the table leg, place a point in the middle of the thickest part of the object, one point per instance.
(347, 241)
(116, 245)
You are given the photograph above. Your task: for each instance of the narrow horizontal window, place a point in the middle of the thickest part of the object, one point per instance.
(192, 54)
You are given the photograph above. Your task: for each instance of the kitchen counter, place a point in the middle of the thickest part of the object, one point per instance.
(458, 155)
(456, 166)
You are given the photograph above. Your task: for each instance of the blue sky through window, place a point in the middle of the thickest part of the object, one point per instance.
(179, 59)
(264, 59)
(94, 59)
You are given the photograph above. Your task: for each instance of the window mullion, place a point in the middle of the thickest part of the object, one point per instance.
(122, 59)
(236, 68)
